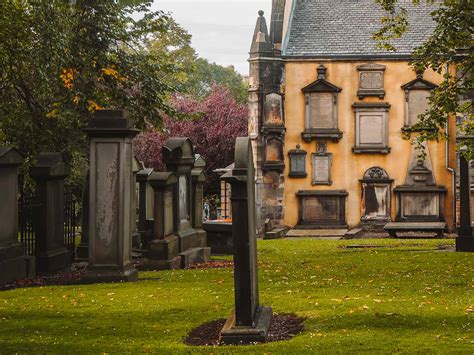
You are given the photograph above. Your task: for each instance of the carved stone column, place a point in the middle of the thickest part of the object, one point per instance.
(110, 230)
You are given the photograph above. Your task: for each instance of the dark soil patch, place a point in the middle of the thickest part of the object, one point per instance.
(283, 327)
(63, 278)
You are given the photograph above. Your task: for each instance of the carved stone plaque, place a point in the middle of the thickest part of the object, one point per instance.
(417, 104)
(322, 110)
(420, 205)
(376, 199)
(320, 209)
(183, 199)
(273, 150)
(371, 80)
(371, 129)
(169, 228)
(321, 169)
(273, 110)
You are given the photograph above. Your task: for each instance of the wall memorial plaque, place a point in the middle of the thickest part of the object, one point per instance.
(321, 169)
(371, 80)
(371, 123)
(273, 110)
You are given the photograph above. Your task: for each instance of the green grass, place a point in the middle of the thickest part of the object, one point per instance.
(403, 297)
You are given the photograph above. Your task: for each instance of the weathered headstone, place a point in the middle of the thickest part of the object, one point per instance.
(136, 242)
(49, 174)
(111, 160)
(12, 258)
(250, 321)
(145, 205)
(178, 155)
(163, 248)
(465, 239)
(198, 179)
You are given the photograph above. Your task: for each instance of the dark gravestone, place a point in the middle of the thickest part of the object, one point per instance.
(49, 174)
(250, 322)
(12, 256)
(145, 210)
(110, 197)
(465, 239)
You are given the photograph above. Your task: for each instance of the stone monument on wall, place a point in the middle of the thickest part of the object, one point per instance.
(110, 197)
(250, 321)
(12, 257)
(49, 174)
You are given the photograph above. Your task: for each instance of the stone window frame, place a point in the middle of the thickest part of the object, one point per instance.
(371, 68)
(419, 84)
(297, 153)
(360, 108)
(320, 86)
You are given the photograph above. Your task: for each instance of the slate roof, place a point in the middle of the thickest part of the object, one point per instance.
(344, 28)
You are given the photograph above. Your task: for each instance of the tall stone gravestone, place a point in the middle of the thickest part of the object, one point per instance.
(250, 321)
(49, 174)
(198, 180)
(145, 206)
(178, 155)
(12, 259)
(163, 248)
(110, 197)
(465, 239)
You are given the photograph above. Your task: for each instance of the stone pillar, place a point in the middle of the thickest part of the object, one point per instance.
(49, 174)
(136, 240)
(145, 210)
(12, 257)
(250, 322)
(82, 250)
(163, 249)
(110, 197)
(198, 179)
(465, 239)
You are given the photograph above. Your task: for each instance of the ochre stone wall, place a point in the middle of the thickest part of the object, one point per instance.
(348, 167)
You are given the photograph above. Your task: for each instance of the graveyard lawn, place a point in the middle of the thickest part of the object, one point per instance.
(381, 296)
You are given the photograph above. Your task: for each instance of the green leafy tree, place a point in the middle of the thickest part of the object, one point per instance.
(61, 60)
(449, 51)
(207, 74)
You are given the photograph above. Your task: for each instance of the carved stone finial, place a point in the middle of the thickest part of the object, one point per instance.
(419, 73)
(298, 147)
(261, 13)
(322, 72)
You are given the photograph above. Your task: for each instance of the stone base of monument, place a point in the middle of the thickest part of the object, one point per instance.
(13, 265)
(153, 265)
(82, 252)
(53, 260)
(195, 256)
(465, 244)
(164, 249)
(258, 333)
(100, 275)
(187, 239)
(201, 238)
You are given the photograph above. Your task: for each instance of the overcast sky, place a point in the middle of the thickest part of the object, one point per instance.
(222, 29)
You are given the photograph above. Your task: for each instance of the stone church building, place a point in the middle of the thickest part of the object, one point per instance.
(328, 116)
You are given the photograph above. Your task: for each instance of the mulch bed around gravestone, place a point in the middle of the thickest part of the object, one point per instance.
(284, 327)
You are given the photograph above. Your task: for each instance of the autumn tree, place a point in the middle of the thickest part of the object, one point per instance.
(217, 120)
(450, 51)
(61, 60)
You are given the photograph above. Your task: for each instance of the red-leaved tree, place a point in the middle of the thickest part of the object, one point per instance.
(219, 121)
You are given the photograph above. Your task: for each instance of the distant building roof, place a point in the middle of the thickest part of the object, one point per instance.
(344, 28)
